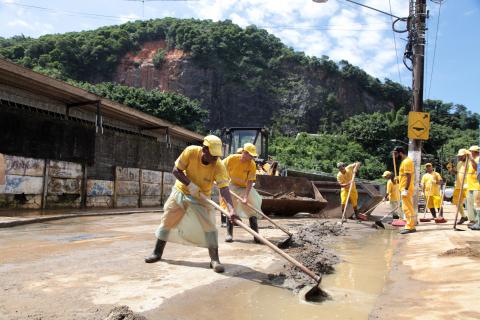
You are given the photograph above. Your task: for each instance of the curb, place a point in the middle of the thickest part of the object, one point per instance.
(14, 223)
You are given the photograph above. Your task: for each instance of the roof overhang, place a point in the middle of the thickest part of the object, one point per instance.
(20, 77)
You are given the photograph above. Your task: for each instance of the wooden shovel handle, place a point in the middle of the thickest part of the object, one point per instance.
(460, 196)
(261, 213)
(287, 257)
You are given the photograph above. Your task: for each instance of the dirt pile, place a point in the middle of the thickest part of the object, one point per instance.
(461, 252)
(309, 248)
(123, 313)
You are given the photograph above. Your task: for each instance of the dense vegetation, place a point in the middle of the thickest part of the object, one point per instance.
(166, 105)
(368, 138)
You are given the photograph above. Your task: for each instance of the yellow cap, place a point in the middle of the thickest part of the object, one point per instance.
(462, 152)
(386, 174)
(474, 148)
(251, 149)
(214, 145)
(428, 164)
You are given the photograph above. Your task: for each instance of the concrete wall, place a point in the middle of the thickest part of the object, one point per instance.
(27, 184)
(23, 182)
(64, 187)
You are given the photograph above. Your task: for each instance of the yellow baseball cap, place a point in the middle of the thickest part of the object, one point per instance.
(428, 164)
(462, 152)
(386, 174)
(474, 148)
(251, 149)
(214, 145)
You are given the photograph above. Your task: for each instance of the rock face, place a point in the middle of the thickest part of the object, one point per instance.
(303, 94)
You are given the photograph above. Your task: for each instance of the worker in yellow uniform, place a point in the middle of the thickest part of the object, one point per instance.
(393, 194)
(458, 199)
(406, 185)
(431, 182)
(241, 170)
(344, 178)
(187, 219)
(473, 189)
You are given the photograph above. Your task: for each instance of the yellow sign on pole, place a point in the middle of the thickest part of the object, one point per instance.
(418, 125)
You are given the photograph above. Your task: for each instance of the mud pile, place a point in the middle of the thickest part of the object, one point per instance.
(309, 248)
(123, 313)
(461, 252)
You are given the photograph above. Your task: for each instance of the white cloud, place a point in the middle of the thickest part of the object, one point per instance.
(129, 17)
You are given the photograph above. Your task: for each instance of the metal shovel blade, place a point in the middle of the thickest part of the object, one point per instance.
(285, 243)
(380, 224)
(315, 294)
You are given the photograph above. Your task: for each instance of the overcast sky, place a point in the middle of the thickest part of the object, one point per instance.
(338, 29)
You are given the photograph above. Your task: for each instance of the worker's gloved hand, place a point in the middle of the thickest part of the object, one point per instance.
(404, 193)
(233, 216)
(193, 189)
(465, 186)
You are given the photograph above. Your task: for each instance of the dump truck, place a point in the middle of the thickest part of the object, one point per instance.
(296, 191)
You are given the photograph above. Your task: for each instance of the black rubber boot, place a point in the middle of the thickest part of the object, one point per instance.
(223, 219)
(434, 213)
(157, 252)
(229, 236)
(215, 260)
(462, 220)
(254, 225)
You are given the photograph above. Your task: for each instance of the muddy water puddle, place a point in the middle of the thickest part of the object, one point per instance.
(354, 287)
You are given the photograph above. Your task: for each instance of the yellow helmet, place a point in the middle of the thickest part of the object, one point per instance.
(386, 174)
(251, 149)
(214, 145)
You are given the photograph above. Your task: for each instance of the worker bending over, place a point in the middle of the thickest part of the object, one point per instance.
(473, 187)
(344, 178)
(406, 185)
(458, 199)
(431, 182)
(241, 170)
(393, 194)
(187, 219)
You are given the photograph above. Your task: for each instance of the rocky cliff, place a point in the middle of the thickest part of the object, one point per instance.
(309, 96)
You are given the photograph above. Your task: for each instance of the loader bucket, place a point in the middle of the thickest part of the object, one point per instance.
(286, 196)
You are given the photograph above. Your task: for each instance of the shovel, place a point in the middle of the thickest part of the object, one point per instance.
(441, 219)
(425, 209)
(364, 216)
(348, 195)
(315, 293)
(460, 196)
(282, 244)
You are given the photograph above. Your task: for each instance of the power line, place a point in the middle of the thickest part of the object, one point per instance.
(435, 48)
(395, 44)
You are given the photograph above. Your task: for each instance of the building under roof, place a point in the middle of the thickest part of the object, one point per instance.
(62, 146)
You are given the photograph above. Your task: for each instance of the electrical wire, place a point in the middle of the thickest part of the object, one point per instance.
(395, 44)
(434, 48)
(77, 13)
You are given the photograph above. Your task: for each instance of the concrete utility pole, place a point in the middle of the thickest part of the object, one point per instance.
(418, 13)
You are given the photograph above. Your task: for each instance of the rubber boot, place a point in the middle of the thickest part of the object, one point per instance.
(254, 226)
(157, 252)
(215, 261)
(462, 220)
(229, 236)
(433, 212)
(224, 220)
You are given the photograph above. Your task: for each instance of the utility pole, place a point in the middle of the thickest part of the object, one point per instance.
(418, 14)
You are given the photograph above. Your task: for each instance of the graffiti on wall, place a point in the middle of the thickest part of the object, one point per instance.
(64, 186)
(2, 172)
(63, 169)
(99, 188)
(21, 166)
(127, 174)
(23, 184)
